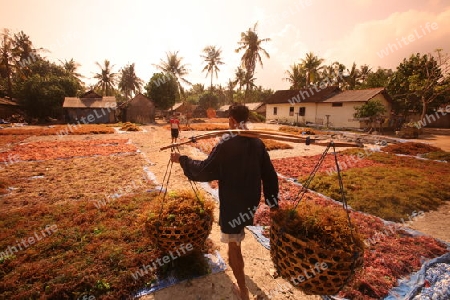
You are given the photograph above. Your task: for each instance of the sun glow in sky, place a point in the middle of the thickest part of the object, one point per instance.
(377, 33)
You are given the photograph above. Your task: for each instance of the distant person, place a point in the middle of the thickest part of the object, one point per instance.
(174, 128)
(243, 168)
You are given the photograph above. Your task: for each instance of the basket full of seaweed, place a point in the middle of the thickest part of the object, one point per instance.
(315, 247)
(179, 221)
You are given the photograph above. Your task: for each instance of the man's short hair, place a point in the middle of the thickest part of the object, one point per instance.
(239, 112)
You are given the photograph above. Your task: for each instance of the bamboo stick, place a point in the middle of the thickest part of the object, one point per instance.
(259, 134)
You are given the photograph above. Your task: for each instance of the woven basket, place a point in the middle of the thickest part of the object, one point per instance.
(310, 267)
(171, 239)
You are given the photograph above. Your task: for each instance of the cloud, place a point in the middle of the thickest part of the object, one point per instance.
(285, 49)
(388, 41)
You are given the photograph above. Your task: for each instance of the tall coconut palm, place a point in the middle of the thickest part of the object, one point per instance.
(23, 47)
(129, 83)
(6, 59)
(25, 54)
(364, 72)
(249, 82)
(239, 78)
(296, 77)
(173, 65)
(351, 77)
(251, 44)
(106, 78)
(71, 67)
(213, 60)
(311, 64)
(230, 90)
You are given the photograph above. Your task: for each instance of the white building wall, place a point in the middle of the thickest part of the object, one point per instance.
(316, 113)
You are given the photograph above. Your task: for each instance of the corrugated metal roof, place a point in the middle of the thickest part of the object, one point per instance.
(90, 94)
(355, 95)
(105, 102)
(251, 106)
(254, 105)
(313, 94)
(224, 107)
(176, 106)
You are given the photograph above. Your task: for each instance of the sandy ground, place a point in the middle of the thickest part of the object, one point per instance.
(258, 265)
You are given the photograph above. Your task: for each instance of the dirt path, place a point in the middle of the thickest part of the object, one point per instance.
(258, 265)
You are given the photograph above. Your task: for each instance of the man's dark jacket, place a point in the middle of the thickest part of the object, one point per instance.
(240, 164)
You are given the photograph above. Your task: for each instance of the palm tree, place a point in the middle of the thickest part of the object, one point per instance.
(311, 64)
(249, 82)
(296, 77)
(24, 54)
(212, 60)
(364, 72)
(106, 78)
(6, 59)
(230, 90)
(23, 47)
(240, 78)
(351, 77)
(251, 44)
(174, 66)
(129, 83)
(71, 67)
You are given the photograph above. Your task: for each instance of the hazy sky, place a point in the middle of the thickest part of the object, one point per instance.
(379, 33)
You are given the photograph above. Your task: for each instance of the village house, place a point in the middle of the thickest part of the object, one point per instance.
(9, 108)
(258, 107)
(140, 109)
(90, 108)
(329, 106)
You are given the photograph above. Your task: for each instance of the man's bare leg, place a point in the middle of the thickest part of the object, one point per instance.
(236, 262)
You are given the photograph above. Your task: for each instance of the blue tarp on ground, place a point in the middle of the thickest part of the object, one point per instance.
(432, 281)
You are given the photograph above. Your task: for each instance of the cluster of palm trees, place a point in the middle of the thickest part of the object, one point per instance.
(16, 52)
(173, 65)
(311, 71)
(308, 71)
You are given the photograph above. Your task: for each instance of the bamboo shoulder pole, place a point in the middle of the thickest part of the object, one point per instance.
(262, 135)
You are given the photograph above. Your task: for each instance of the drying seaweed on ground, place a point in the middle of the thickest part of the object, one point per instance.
(326, 225)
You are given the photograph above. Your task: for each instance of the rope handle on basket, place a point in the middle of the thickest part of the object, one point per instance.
(167, 174)
(341, 190)
(341, 185)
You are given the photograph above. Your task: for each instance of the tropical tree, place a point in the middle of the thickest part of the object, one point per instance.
(230, 90)
(239, 78)
(208, 100)
(311, 65)
(42, 93)
(24, 54)
(174, 66)
(129, 83)
(370, 112)
(6, 60)
(213, 61)
(16, 55)
(351, 78)
(251, 45)
(364, 72)
(418, 84)
(71, 67)
(106, 78)
(164, 95)
(296, 77)
(379, 78)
